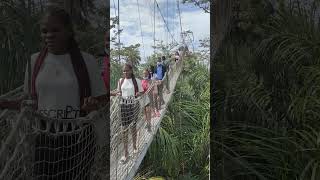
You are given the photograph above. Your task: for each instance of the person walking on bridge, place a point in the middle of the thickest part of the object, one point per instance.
(65, 84)
(147, 97)
(160, 72)
(167, 66)
(129, 88)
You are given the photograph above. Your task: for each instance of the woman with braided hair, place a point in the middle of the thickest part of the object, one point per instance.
(129, 88)
(65, 84)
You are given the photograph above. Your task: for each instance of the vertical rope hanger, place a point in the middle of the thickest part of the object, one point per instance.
(167, 34)
(144, 53)
(154, 26)
(173, 21)
(118, 31)
(115, 11)
(182, 38)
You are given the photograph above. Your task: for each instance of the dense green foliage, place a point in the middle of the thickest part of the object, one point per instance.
(267, 98)
(180, 149)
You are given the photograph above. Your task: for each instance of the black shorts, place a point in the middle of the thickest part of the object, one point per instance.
(129, 114)
(64, 156)
(160, 88)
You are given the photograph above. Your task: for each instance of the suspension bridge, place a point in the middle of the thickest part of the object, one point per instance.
(128, 170)
(21, 131)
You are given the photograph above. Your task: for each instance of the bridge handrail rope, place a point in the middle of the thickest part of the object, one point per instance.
(126, 170)
(19, 146)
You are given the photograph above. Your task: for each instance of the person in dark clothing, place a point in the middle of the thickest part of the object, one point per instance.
(166, 64)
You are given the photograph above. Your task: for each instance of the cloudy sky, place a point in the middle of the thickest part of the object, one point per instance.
(192, 18)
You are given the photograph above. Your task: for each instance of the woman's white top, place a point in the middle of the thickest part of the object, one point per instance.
(127, 88)
(57, 85)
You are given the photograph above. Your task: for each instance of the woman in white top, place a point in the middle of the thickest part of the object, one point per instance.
(129, 88)
(65, 83)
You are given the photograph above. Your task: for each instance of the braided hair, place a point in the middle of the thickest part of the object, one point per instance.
(73, 49)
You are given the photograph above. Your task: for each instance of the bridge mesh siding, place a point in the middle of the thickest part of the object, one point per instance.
(34, 146)
(127, 170)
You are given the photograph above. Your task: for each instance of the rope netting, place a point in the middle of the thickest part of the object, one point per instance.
(34, 146)
(130, 127)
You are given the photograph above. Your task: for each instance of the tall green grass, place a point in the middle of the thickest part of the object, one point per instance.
(180, 148)
(267, 101)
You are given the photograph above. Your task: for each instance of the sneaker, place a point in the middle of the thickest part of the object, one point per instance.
(146, 126)
(124, 159)
(135, 151)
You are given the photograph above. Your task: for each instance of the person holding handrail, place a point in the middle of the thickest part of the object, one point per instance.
(160, 71)
(65, 84)
(129, 89)
(166, 64)
(147, 96)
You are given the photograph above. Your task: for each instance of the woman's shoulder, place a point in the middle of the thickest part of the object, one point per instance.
(87, 57)
(35, 54)
(145, 80)
(34, 57)
(139, 81)
(90, 60)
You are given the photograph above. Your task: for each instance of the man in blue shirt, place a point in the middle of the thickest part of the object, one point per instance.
(160, 69)
(160, 72)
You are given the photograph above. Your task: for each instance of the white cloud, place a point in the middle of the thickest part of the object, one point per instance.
(196, 20)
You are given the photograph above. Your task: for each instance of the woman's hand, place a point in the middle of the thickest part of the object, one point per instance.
(12, 104)
(3, 104)
(90, 104)
(113, 93)
(139, 94)
(159, 82)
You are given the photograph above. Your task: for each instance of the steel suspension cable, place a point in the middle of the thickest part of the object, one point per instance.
(180, 21)
(154, 26)
(164, 20)
(115, 11)
(144, 53)
(119, 30)
(167, 19)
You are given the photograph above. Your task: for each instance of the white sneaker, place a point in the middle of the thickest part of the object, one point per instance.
(124, 159)
(135, 151)
(149, 128)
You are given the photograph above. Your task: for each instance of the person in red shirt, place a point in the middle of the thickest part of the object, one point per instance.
(147, 109)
